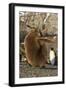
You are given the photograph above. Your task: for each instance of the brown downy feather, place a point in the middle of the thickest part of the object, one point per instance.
(35, 49)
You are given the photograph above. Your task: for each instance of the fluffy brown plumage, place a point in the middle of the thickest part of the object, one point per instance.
(35, 49)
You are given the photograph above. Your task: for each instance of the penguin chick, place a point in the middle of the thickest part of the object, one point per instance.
(36, 53)
(33, 50)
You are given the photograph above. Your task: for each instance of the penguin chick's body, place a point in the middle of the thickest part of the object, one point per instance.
(36, 54)
(52, 56)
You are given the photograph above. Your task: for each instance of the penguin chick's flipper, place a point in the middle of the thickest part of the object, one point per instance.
(45, 39)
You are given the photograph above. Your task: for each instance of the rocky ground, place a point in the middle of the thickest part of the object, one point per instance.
(27, 71)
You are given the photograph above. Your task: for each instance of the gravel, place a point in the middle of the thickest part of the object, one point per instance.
(28, 71)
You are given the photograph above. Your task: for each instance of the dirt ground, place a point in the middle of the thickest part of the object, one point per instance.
(28, 71)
